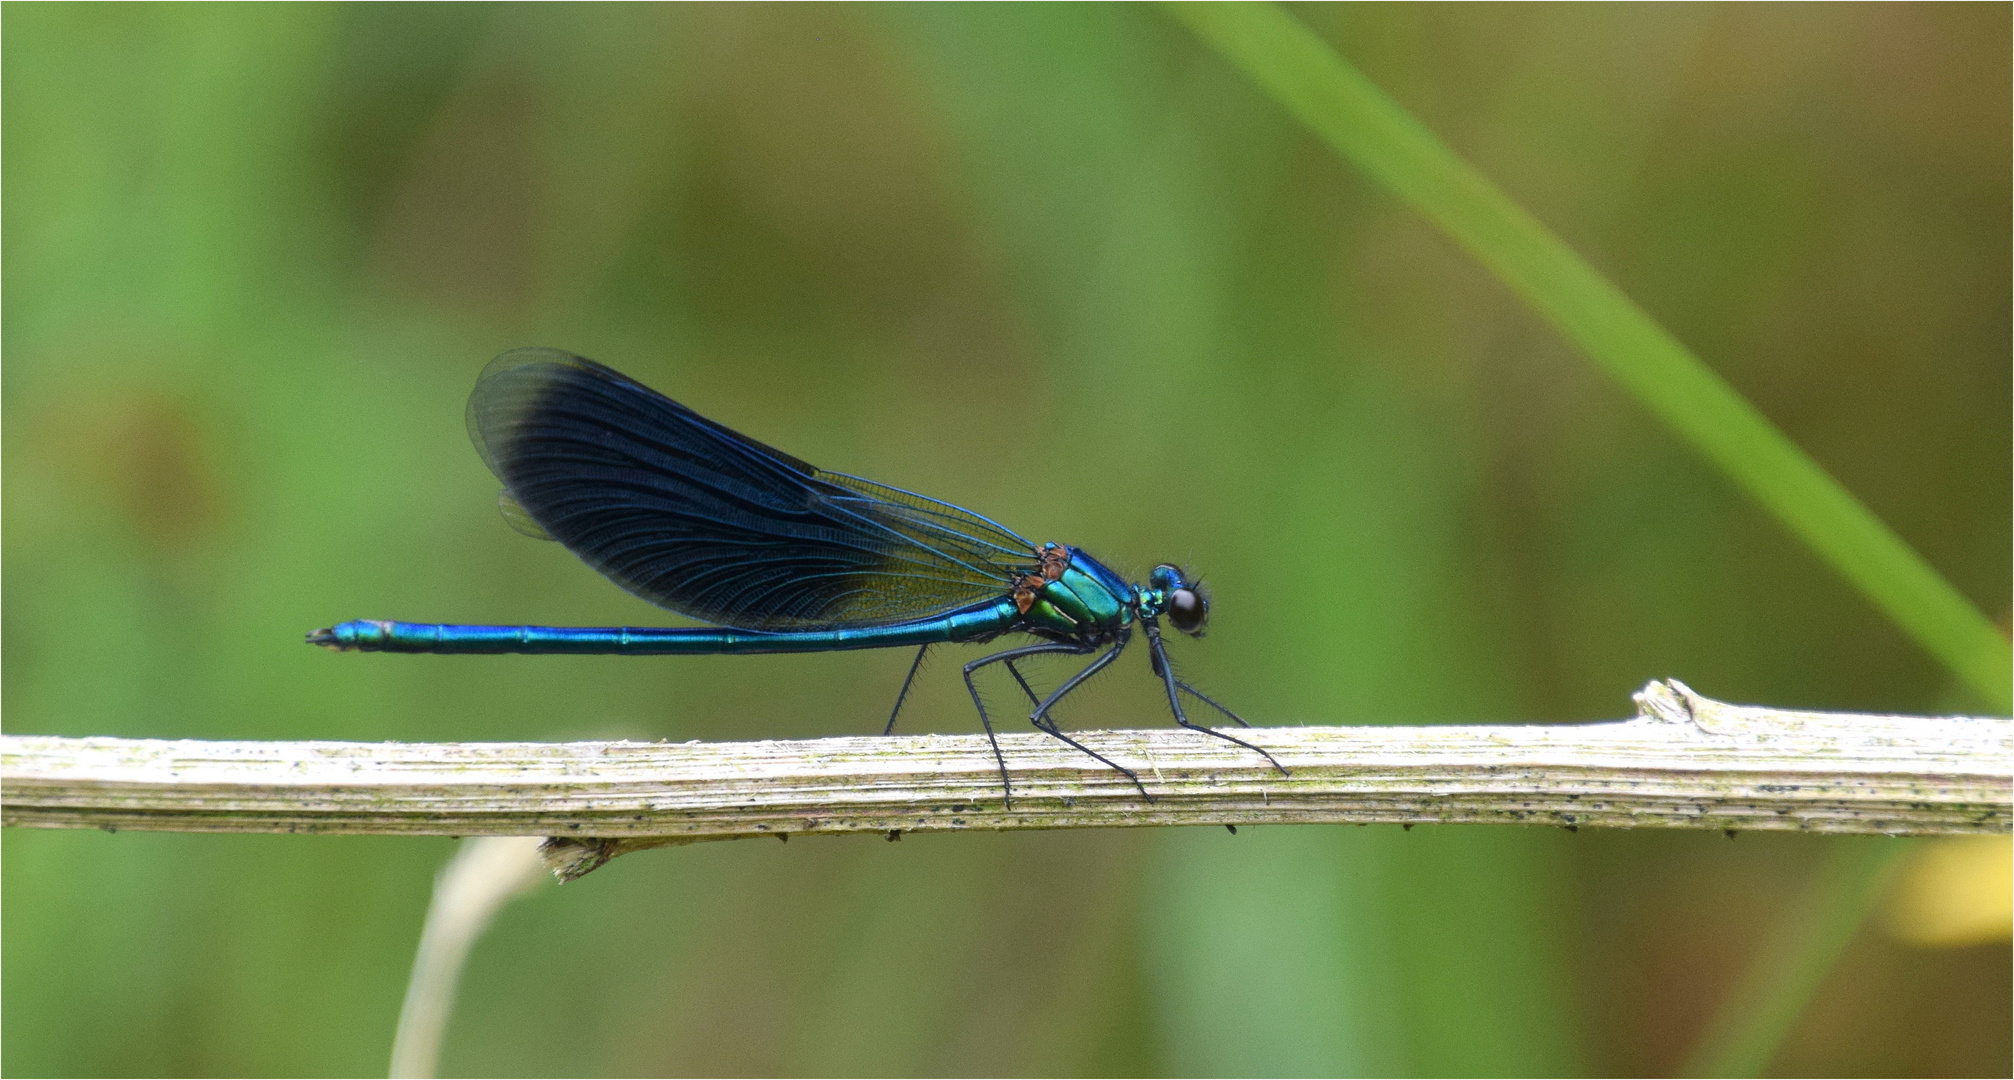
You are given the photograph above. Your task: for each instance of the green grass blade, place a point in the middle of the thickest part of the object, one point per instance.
(1751, 1023)
(1373, 132)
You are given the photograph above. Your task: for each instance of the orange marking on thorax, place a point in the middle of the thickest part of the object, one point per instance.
(1055, 558)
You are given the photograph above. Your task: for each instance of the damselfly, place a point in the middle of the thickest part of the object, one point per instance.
(777, 555)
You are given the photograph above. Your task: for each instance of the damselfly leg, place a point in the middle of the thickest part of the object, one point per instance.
(1199, 696)
(1006, 788)
(1167, 673)
(1044, 722)
(915, 666)
(1047, 723)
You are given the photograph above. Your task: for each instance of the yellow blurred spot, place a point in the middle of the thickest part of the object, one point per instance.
(1955, 891)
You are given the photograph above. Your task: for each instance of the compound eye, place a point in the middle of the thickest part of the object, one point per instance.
(1187, 610)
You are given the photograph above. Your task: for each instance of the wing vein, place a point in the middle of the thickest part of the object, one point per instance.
(697, 518)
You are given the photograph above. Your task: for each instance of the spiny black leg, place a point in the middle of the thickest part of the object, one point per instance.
(1159, 669)
(1198, 695)
(1006, 789)
(1076, 680)
(1167, 674)
(1033, 698)
(1044, 723)
(1157, 659)
(1048, 724)
(914, 667)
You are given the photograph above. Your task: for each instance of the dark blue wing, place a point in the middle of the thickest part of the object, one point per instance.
(694, 517)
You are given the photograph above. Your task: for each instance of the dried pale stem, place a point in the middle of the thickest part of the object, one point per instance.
(482, 877)
(1684, 762)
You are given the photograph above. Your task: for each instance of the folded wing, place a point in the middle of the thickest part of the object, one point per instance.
(697, 518)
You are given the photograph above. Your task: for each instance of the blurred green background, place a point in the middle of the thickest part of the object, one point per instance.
(1059, 264)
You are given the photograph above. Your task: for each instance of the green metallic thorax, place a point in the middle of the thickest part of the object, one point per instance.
(1080, 606)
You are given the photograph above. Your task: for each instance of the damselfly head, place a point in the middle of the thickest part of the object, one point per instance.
(1188, 606)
